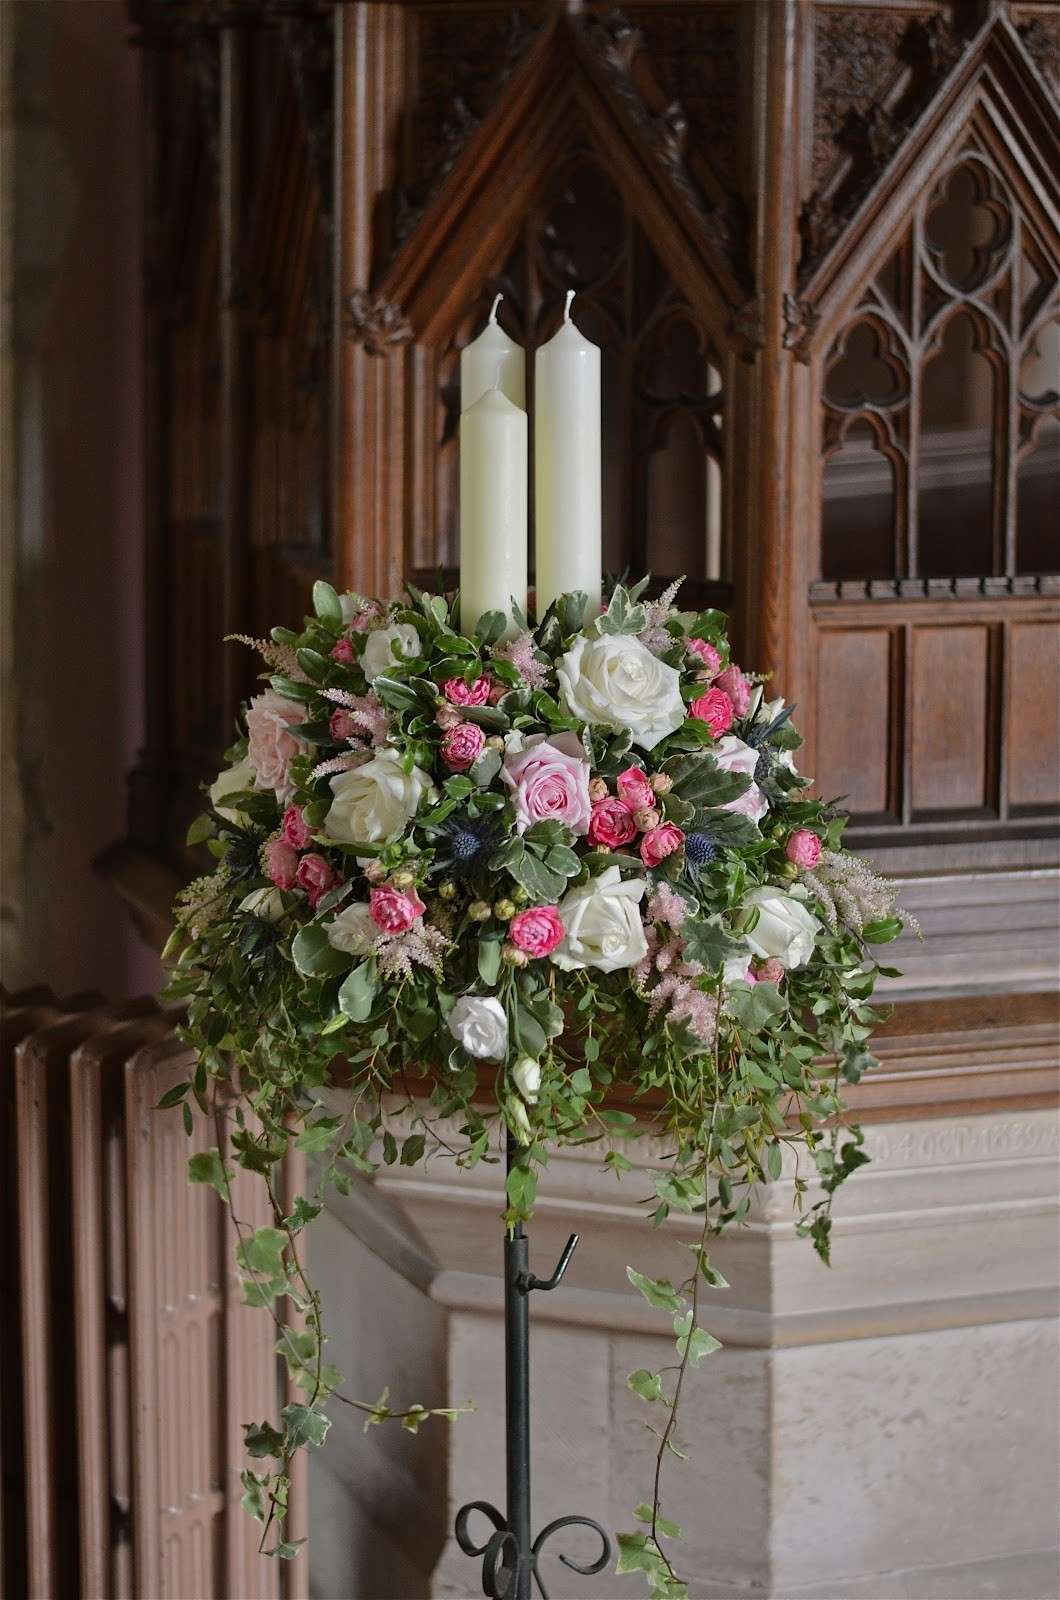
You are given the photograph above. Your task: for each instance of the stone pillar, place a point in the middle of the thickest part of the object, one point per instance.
(884, 1428)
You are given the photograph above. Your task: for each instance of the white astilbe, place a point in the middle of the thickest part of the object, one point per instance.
(280, 657)
(421, 946)
(654, 634)
(850, 891)
(203, 901)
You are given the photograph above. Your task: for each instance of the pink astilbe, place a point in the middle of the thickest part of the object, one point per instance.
(280, 657)
(520, 653)
(343, 763)
(657, 612)
(364, 710)
(668, 907)
(421, 946)
(664, 978)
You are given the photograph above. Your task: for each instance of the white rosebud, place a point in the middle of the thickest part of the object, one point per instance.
(526, 1075)
(353, 930)
(378, 656)
(480, 1026)
(785, 930)
(265, 904)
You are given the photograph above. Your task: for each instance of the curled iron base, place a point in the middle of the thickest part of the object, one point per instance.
(503, 1564)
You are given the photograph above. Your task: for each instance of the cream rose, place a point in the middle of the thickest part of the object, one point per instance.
(732, 755)
(785, 930)
(233, 780)
(602, 922)
(353, 930)
(480, 1026)
(617, 682)
(270, 743)
(373, 803)
(378, 655)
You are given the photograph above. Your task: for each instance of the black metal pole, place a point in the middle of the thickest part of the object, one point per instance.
(510, 1554)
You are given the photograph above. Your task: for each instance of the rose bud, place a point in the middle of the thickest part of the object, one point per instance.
(597, 790)
(661, 782)
(803, 849)
(647, 818)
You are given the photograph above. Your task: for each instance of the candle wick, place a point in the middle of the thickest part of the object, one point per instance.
(493, 307)
(566, 308)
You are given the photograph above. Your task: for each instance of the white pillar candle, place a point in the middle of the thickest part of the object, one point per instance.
(491, 359)
(567, 466)
(493, 497)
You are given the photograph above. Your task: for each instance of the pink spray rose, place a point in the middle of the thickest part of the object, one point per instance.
(704, 652)
(551, 782)
(343, 726)
(315, 876)
(537, 930)
(804, 848)
(270, 744)
(771, 971)
(394, 910)
(447, 716)
(462, 746)
(343, 652)
(737, 687)
(715, 709)
(296, 829)
(281, 863)
(459, 693)
(611, 823)
(732, 755)
(660, 843)
(633, 787)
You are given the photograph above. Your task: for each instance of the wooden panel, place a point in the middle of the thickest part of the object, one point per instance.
(857, 703)
(1033, 715)
(948, 745)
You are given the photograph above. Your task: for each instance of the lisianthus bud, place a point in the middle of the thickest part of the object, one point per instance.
(520, 895)
(447, 890)
(504, 910)
(512, 956)
(403, 878)
(597, 790)
(789, 871)
(480, 911)
(494, 742)
(374, 872)
(647, 818)
(447, 716)
(661, 782)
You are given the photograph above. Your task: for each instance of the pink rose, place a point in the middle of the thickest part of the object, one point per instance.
(715, 709)
(366, 619)
(343, 726)
(343, 652)
(611, 823)
(459, 693)
(296, 829)
(770, 971)
(498, 690)
(315, 876)
(281, 863)
(462, 746)
(704, 652)
(537, 930)
(394, 911)
(634, 788)
(737, 687)
(551, 782)
(660, 843)
(270, 745)
(804, 848)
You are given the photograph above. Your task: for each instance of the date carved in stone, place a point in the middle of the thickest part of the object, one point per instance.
(375, 323)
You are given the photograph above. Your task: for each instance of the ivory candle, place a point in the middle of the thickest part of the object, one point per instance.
(567, 514)
(493, 486)
(491, 359)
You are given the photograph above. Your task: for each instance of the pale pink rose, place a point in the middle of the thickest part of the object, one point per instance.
(537, 930)
(803, 848)
(281, 862)
(296, 829)
(704, 652)
(315, 876)
(462, 746)
(660, 843)
(343, 726)
(647, 818)
(498, 690)
(394, 910)
(597, 790)
(611, 823)
(459, 693)
(270, 745)
(737, 687)
(732, 755)
(770, 971)
(343, 652)
(715, 709)
(551, 782)
(633, 787)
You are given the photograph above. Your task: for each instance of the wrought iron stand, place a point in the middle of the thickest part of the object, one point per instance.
(510, 1554)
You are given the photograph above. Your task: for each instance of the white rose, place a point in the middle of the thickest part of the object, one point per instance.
(735, 969)
(232, 781)
(526, 1075)
(617, 682)
(602, 922)
(353, 930)
(732, 755)
(267, 904)
(481, 1027)
(379, 657)
(373, 803)
(785, 930)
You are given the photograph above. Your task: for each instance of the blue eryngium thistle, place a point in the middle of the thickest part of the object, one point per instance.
(700, 850)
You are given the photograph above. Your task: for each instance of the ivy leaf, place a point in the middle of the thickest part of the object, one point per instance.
(358, 992)
(637, 1552)
(305, 1424)
(207, 1167)
(647, 1384)
(317, 1136)
(755, 1008)
(485, 769)
(262, 1439)
(303, 1211)
(706, 941)
(326, 602)
(696, 1341)
(286, 1550)
(262, 1253)
(644, 1513)
(521, 1186)
(658, 1292)
(254, 1500)
(313, 956)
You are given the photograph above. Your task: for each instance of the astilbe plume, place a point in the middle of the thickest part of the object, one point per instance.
(665, 978)
(370, 715)
(421, 945)
(203, 902)
(280, 657)
(848, 890)
(654, 634)
(520, 653)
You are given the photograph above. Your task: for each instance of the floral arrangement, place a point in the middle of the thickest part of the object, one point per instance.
(561, 885)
